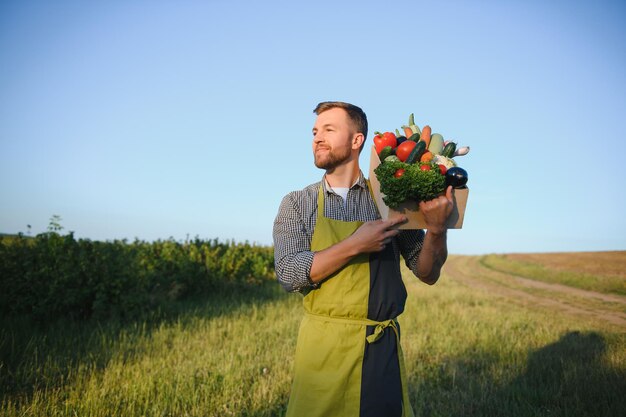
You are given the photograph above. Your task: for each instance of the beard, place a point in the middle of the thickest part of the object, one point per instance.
(331, 159)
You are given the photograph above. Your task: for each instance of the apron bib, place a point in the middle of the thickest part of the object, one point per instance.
(348, 347)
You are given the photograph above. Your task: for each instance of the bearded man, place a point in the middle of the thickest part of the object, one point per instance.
(332, 246)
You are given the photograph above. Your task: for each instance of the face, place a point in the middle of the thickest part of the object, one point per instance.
(334, 139)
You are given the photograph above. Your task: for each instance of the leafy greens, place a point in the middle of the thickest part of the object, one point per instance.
(414, 184)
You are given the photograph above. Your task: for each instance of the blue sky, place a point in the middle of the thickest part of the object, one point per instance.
(155, 119)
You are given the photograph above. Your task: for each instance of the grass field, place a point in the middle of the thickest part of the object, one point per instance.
(596, 271)
(484, 341)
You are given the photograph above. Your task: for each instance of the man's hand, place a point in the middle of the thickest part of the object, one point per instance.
(437, 211)
(373, 236)
(370, 237)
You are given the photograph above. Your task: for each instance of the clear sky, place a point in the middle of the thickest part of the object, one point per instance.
(158, 119)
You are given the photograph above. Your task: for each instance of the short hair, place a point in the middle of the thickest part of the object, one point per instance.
(355, 114)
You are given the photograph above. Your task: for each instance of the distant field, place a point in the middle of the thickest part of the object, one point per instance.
(483, 341)
(596, 271)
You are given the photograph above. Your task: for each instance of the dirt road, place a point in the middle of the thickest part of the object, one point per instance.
(562, 299)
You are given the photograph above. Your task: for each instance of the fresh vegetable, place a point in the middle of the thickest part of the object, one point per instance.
(385, 152)
(379, 142)
(463, 150)
(448, 151)
(415, 137)
(436, 143)
(412, 124)
(413, 184)
(426, 156)
(442, 160)
(416, 153)
(384, 139)
(426, 135)
(404, 149)
(399, 137)
(416, 164)
(456, 177)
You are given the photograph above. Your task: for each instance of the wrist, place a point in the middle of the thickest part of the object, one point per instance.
(437, 231)
(350, 246)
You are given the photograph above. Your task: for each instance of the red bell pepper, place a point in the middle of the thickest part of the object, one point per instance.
(384, 139)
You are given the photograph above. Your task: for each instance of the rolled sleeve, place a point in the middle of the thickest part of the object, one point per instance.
(292, 247)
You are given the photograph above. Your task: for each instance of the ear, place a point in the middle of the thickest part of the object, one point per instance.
(357, 140)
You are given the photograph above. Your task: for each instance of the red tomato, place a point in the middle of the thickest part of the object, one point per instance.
(425, 167)
(443, 169)
(398, 173)
(404, 149)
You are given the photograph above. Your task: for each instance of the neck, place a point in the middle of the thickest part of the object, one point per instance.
(344, 175)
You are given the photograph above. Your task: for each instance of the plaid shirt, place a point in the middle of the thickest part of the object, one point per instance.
(295, 222)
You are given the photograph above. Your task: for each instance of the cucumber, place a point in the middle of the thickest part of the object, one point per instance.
(416, 153)
(414, 137)
(385, 152)
(448, 150)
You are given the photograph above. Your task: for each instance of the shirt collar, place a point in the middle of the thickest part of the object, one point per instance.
(360, 182)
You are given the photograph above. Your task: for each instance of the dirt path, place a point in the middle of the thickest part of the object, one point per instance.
(561, 298)
(565, 289)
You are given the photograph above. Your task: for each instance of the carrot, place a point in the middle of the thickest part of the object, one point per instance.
(407, 131)
(426, 135)
(426, 157)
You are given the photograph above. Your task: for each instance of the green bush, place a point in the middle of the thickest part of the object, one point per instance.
(53, 275)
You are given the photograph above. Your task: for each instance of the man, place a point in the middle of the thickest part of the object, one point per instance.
(331, 245)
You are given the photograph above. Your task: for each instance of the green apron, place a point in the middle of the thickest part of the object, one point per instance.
(329, 360)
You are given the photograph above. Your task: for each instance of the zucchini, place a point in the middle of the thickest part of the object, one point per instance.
(436, 144)
(414, 137)
(416, 153)
(448, 150)
(385, 152)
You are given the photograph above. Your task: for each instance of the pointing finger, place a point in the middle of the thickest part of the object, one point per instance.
(396, 221)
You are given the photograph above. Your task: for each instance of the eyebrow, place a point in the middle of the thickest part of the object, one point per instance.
(325, 125)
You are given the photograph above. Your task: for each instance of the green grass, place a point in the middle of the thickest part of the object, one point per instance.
(467, 354)
(537, 271)
(226, 356)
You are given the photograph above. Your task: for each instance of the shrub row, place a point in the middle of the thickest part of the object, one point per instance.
(52, 275)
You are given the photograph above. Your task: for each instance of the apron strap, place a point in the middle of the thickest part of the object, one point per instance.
(320, 199)
(369, 187)
(407, 411)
